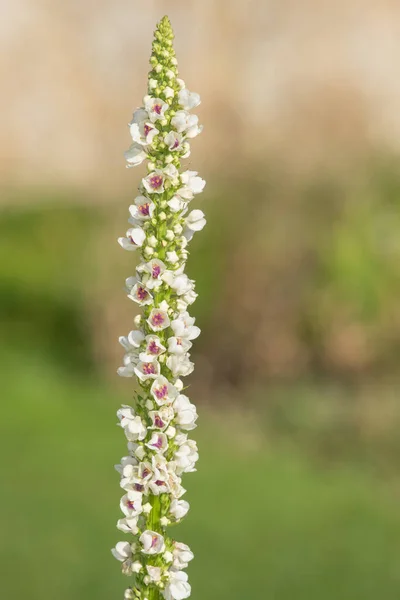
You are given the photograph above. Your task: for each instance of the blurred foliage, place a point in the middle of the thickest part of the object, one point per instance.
(298, 306)
(263, 522)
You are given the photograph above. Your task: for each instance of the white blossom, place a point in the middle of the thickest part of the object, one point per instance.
(188, 100)
(179, 508)
(186, 414)
(155, 108)
(182, 555)
(134, 239)
(153, 543)
(135, 155)
(178, 587)
(122, 551)
(141, 128)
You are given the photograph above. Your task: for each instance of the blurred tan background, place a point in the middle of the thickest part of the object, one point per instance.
(298, 278)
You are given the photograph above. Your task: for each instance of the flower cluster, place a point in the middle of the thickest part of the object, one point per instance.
(157, 352)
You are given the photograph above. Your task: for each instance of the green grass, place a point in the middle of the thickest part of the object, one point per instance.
(263, 524)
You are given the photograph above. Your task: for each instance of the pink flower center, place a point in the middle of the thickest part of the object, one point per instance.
(157, 108)
(149, 369)
(158, 443)
(141, 293)
(161, 392)
(154, 541)
(156, 182)
(130, 505)
(157, 319)
(153, 348)
(147, 128)
(155, 271)
(176, 144)
(144, 209)
(158, 422)
(145, 472)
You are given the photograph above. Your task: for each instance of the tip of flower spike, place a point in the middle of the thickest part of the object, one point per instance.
(165, 27)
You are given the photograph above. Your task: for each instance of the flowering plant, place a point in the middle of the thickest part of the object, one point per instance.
(157, 351)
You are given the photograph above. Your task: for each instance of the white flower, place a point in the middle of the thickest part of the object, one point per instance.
(186, 414)
(186, 123)
(182, 555)
(147, 370)
(131, 504)
(128, 525)
(192, 185)
(134, 239)
(178, 587)
(125, 461)
(142, 130)
(155, 107)
(188, 100)
(153, 543)
(186, 457)
(178, 508)
(158, 442)
(176, 204)
(184, 327)
(129, 593)
(154, 573)
(132, 425)
(161, 418)
(122, 551)
(173, 141)
(180, 282)
(154, 270)
(195, 221)
(154, 182)
(142, 210)
(135, 155)
(178, 345)
(163, 391)
(154, 348)
(158, 320)
(180, 365)
(140, 294)
(132, 341)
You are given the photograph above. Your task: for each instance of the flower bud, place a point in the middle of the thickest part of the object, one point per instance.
(137, 320)
(162, 216)
(169, 235)
(148, 251)
(178, 229)
(152, 241)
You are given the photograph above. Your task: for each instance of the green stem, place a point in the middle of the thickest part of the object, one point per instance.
(153, 523)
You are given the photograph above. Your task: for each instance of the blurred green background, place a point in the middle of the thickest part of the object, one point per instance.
(298, 276)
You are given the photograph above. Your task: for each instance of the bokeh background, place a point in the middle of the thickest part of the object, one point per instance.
(298, 277)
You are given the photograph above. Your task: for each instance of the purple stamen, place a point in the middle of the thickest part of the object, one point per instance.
(149, 369)
(156, 182)
(144, 209)
(155, 272)
(161, 392)
(153, 348)
(141, 293)
(157, 319)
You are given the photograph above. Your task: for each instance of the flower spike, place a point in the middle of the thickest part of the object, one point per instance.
(157, 353)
